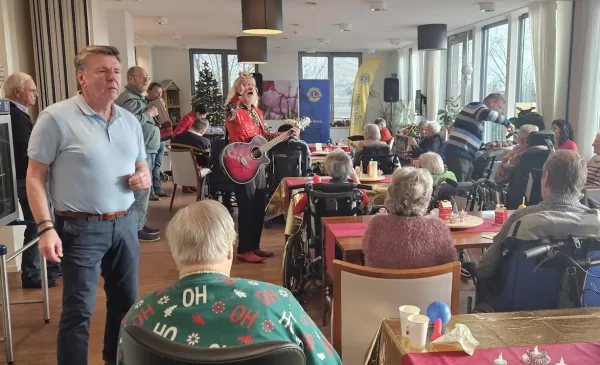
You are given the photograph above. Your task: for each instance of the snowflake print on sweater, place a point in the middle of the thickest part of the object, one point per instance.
(212, 310)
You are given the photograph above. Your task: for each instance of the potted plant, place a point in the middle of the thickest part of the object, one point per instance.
(447, 115)
(528, 116)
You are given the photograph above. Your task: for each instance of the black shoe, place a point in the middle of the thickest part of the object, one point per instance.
(37, 284)
(162, 195)
(154, 198)
(149, 230)
(147, 237)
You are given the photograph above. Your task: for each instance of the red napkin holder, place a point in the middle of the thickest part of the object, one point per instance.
(445, 209)
(501, 214)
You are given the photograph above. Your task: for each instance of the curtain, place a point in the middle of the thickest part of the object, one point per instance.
(584, 92)
(543, 40)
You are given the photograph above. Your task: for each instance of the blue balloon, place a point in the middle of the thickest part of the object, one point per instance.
(439, 310)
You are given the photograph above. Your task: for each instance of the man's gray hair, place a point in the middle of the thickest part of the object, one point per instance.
(432, 162)
(83, 55)
(410, 192)
(15, 82)
(371, 132)
(201, 233)
(338, 164)
(435, 126)
(495, 96)
(566, 172)
(200, 125)
(380, 122)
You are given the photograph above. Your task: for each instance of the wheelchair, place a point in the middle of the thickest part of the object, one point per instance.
(217, 185)
(303, 257)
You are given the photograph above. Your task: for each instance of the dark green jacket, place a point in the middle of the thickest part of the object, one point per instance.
(133, 101)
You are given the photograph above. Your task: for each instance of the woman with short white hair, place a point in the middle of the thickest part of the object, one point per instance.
(433, 163)
(406, 238)
(207, 308)
(372, 135)
(432, 141)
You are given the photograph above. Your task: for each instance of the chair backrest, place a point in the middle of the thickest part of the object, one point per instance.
(291, 146)
(143, 347)
(284, 165)
(526, 178)
(541, 138)
(364, 296)
(219, 180)
(381, 154)
(184, 166)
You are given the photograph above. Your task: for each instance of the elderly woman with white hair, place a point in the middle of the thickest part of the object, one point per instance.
(372, 135)
(512, 159)
(205, 307)
(406, 238)
(338, 166)
(433, 163)
(432, 141)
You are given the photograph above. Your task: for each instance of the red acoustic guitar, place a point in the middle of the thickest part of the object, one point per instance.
(241, 161)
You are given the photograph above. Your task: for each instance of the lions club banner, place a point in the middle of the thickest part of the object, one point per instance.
(360, 94)
(315, 99)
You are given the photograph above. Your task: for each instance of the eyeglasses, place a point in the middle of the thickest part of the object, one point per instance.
(31, 91)
(145, 77)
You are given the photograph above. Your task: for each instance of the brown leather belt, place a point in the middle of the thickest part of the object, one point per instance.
(82, 215)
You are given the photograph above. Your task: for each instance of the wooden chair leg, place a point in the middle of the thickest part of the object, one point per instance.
(173, 196)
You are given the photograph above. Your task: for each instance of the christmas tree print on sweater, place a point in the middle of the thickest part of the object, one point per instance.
(215, 311)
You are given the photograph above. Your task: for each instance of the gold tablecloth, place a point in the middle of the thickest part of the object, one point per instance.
(281, 204)
(494, 330)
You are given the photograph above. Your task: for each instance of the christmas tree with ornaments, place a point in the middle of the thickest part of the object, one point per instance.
(209, 94)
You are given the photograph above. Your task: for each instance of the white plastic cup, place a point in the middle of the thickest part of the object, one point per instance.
(418, 331)
(405, 312)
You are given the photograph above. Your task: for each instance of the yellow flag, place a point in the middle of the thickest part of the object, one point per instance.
(360, 94)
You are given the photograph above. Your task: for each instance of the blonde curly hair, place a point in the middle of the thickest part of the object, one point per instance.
(410, 192)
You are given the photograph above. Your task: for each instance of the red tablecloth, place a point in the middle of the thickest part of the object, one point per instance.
(338, 230)
(313, 148)
(487, 226)
(583, 353)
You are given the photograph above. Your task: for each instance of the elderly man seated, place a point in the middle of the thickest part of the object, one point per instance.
(563, 179)
(512, 159)
(206, 307)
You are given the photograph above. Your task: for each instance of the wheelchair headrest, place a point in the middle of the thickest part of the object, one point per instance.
(376, 150)
(556, 224)
(539, 138)
(333, 187)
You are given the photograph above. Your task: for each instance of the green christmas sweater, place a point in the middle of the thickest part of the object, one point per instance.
(213, 310)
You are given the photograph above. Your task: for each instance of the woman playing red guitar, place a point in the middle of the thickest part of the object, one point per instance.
(244, 121)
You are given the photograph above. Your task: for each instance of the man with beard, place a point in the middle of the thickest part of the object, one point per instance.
(132, 100)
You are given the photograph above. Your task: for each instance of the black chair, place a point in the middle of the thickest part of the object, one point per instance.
(283, 165)
(382, 154)
(293, 147)
(143, 347)
(528, 172)
(217, 183)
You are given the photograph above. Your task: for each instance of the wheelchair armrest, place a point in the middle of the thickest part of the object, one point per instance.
(471, 268)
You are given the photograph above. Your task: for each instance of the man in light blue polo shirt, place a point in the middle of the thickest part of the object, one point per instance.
(93, 154)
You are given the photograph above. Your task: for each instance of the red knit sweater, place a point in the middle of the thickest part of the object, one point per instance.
(398, 242)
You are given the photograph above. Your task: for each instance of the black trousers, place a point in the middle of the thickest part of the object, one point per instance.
(251, 215)
(461, 167)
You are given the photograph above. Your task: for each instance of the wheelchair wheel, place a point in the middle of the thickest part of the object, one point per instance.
(204, 193)
(294, 264)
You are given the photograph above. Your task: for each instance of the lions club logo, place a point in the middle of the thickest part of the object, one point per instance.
(314, 94)
(365, 78)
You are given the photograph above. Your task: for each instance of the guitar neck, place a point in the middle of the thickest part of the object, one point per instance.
(267, 146)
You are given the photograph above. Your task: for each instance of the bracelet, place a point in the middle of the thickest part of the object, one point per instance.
(40, 233)
(44, 221)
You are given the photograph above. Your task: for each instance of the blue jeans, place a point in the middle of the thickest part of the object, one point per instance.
(92, 247)
(155, 169)
(140, 205)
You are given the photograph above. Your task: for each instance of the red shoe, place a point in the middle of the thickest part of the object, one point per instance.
(261, 253)
(250, 257)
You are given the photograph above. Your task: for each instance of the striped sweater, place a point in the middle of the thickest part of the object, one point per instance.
(467, 132)
(593, 175)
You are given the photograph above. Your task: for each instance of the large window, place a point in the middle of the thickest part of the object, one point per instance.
(340, 68)
(223, 64)
(525, 76)
(494, 69)
(460, 66)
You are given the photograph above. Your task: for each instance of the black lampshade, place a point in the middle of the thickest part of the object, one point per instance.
(432, 37)
(262, 16)
(252, 49)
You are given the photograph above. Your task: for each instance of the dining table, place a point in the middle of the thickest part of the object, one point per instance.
(343, 236)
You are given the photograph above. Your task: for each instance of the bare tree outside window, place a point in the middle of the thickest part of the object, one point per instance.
(496, 61)
(345, 69)
(224, 72)
(527, 94)
(315, 68)
(235, 68)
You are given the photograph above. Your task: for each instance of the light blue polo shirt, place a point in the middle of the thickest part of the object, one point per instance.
(89, 159)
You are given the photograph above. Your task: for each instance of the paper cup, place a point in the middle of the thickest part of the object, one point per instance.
(405, 312)
(418, 325)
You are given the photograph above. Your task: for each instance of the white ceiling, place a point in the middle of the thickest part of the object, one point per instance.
(216, 23)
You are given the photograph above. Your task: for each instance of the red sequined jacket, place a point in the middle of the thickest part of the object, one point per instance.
(242, 124)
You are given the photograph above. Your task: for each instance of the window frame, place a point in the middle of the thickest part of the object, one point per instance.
(484, 58)
(520, 55)
(224, 53)
(463, 37)
(330, 56)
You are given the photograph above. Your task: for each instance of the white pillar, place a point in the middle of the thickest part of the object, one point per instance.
(143, 55)
(120, 35)
(432, 77)
(98, 28)
(583, 86)
(564, 19)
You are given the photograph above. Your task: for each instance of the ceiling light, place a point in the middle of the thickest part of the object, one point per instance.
(252, 49)
(262, 17)
(345, 27)
(487, 7)
(161, 20)
(432, 37)
(324, 41)
(378, 5)
(395, 42)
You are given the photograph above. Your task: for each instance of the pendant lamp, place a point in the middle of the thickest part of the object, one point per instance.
(262, 16)
(432, 37)
(252, 49)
